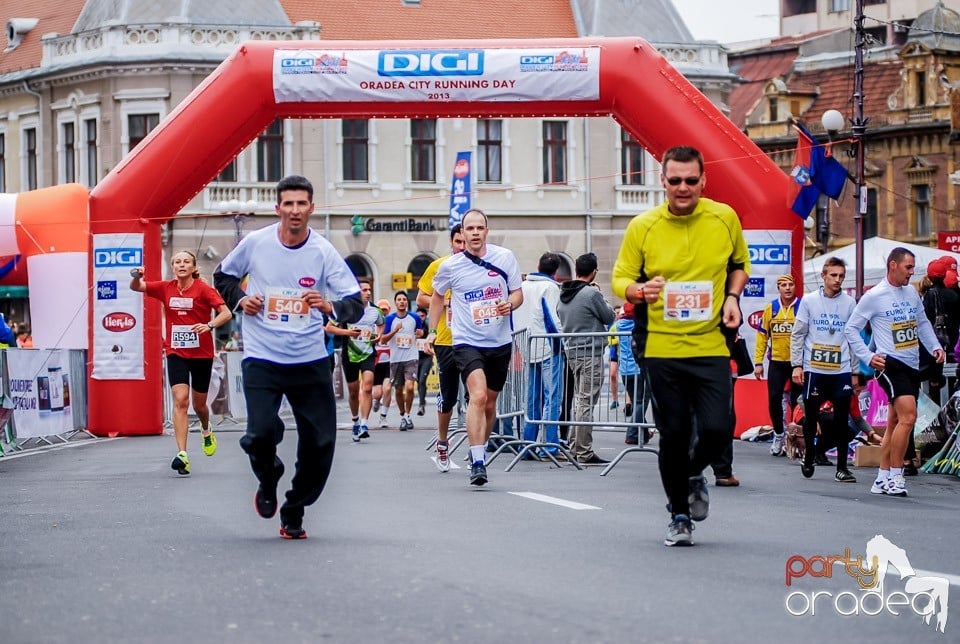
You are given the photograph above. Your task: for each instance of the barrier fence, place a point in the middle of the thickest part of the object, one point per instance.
(44, 397)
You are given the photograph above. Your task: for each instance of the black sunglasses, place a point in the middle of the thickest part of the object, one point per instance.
(690, 181)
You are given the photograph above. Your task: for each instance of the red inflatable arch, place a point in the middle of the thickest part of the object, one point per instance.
(622, 77)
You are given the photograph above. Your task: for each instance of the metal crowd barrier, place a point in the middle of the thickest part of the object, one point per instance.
(44, 397)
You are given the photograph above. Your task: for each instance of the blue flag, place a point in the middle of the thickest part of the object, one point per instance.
(813, 173)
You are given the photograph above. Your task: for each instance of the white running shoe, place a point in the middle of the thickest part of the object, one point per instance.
(777, 448)
(383, 420)
(879, 487)
(896, 486)
(443, 458)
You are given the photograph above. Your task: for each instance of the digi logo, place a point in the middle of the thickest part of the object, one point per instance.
(297, 63)
(541, 59)
(436, 62)
(770, 254)
(114, 257)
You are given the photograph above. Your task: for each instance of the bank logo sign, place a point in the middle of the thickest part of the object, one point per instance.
(913, 592)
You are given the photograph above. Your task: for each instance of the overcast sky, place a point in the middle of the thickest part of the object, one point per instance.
(730, 21)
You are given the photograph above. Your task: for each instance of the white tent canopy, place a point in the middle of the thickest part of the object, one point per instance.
(875, 252)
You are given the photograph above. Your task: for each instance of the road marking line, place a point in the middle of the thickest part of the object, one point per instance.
(543, 498)
(9, 456)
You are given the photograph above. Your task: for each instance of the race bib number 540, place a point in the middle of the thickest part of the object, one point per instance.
(285, 307)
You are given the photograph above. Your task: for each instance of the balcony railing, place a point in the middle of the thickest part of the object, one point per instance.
(116, 41)
(701, 56)
(639, 198)
(255, 197)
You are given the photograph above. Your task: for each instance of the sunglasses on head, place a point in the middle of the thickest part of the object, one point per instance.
(676, 181)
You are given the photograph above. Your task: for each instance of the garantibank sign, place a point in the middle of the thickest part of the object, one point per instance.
(360, 224)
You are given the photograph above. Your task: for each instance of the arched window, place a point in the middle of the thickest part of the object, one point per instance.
(360, 266)
(565, 272)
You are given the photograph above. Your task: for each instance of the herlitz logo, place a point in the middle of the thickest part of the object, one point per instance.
(923, 595)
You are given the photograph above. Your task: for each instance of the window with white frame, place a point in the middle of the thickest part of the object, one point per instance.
(632, 161)
(270, 153)
(139, 126)
(229, 172)
(489, 150)
(839, 5)
(90, 159)
(423, 150)
(30, 158)
(554, 152)
(3, 161)
(68, 152)
(355, 135)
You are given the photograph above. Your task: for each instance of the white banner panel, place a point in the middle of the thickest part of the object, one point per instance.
(770, 255)
(58, 302)
(235, 398)
(117, 310)
(8, 225)
(547, 74)
(40, 391)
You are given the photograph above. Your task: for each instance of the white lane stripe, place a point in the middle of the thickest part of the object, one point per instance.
(9, 456)
(543, 498)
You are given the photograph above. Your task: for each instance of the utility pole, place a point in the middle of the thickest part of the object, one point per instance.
(859, 124)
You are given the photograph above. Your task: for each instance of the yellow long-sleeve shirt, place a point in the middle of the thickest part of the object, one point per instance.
(775, 329)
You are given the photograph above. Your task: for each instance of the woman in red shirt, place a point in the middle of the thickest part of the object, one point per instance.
(187, 303)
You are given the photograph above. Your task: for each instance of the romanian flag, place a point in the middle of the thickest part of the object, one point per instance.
(813, 172)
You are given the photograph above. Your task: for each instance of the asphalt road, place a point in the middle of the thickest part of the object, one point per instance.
(102, 542)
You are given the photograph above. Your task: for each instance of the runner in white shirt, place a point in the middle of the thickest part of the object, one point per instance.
(895, 313)
(822, 364)
(295, 278)
(400, 332)
(484, 281)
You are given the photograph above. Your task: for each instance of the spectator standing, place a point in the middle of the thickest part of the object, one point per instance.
(583, 309)
(541, 295)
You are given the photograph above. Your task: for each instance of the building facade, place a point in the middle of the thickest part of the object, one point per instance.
(81, 88)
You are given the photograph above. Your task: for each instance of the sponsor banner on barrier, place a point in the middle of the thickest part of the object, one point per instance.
(117, 310)
(771, 252)
(39, 384)
(406, 75)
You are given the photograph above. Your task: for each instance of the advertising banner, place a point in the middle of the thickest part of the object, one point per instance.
(460, 190)
(512, 74)
(770, 255)
(117, 310)
(40, 391)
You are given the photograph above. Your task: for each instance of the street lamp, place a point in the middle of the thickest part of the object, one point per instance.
(241, 211)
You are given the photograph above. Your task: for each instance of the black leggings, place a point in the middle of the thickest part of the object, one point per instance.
(833, 428)
(778, 375)
(683, 390)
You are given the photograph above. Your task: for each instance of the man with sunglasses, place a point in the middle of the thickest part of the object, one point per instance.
(683, 265)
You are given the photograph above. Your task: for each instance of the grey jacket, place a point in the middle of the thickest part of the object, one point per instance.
(583, 309)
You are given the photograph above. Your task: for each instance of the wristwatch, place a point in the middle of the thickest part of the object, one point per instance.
(210, 324)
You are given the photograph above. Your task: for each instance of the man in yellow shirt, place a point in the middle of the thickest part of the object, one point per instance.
(683, 265)
(774, 333)
(447, 371)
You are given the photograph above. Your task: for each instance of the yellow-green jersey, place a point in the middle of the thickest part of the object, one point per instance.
(776, 325)
(444, 335)
(693, 253)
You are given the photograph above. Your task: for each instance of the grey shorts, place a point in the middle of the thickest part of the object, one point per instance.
(401, 372)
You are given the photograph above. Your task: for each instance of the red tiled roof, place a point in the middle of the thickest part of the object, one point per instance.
(435, 19)
(756, 68)
(55, 17)
(880, 80)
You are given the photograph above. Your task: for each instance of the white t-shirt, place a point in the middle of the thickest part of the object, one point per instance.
(817, 340)
(475, 292)
(285, 330)
(898, 322)
(403, 345)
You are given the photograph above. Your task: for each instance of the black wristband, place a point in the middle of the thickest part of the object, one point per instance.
(736, 296)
